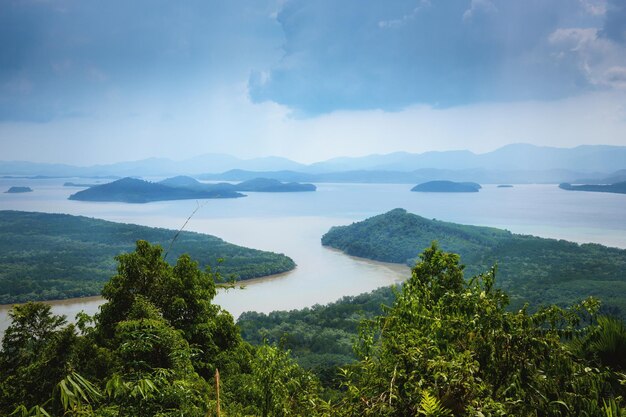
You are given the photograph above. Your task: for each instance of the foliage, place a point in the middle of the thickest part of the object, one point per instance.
(443, 346)
(55, 256)
(454, 340)
(320, 338)
(539, 271)
(151, 351)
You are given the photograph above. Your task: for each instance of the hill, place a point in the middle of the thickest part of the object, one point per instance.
(447, 187)
(132, 190)
(541, 271)
(55, 256)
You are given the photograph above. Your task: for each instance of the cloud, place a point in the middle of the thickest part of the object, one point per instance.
(479, 6)
(76, 52)
(360, 55)
(615, 21)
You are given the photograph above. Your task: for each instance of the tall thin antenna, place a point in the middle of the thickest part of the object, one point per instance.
(182, 228)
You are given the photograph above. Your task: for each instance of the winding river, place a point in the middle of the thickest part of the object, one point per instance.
(293, 223)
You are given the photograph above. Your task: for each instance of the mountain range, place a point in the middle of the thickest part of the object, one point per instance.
(511, 163)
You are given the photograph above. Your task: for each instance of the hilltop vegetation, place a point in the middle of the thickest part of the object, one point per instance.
(445, 346)
(536, 270)
(54, 256)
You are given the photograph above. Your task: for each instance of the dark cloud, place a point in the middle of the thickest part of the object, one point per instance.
(615, 21)
(73, 52)
(374, 54)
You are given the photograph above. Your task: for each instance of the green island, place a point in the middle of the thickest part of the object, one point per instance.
(262, 185)
(536, 270)
(16, 190)
(444, 345)
(618, 187)
(447, 187)
(132, 190)
(57, 256)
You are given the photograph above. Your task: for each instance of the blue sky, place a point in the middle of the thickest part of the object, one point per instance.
(101, 81)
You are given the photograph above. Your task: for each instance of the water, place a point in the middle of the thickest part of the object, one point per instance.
(293, 223)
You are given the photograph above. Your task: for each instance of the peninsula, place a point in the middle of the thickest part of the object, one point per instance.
(56, 256)
(536, 270)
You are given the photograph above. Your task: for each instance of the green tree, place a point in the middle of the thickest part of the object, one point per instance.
(450, 344)
(182, 294)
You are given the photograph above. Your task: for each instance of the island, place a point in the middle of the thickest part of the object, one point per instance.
(505, 186)
(17, 190)
(447, 187)
(618, 187)
(266, 185)
(532, 269)
(79, 185)
(57, 256)
(132, 190)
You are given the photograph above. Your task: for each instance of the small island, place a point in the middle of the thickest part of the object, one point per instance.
(266, 185)
(618, 187)
(17, 190)
(79, 185)
(505, 186)
(447, 187)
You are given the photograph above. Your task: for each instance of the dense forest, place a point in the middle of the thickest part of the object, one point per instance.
(532, 269)
(445, 345)
(56, 256)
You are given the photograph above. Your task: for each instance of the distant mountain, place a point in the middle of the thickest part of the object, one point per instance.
(398, 177)
(617, 176)
(131, 190)
(587, 158)
(527, 163)
(447, 187)
(618, 188)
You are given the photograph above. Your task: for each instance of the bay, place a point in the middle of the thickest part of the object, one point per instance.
(293, 223)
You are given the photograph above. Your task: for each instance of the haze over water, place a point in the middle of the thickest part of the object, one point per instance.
(293, 223)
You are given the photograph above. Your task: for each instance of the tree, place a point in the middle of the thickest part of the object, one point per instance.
(449, 346)
(182, 294)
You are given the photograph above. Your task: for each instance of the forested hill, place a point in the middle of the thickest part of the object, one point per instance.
(538, 270)
(56, 256)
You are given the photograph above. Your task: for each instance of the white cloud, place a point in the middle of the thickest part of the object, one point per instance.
(479, 6)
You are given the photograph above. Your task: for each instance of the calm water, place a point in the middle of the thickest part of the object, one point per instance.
(293, 223)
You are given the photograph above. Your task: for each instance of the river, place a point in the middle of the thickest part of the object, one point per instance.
(293, 223)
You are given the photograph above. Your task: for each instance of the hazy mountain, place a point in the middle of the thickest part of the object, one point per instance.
(519, 162)
(511, 157)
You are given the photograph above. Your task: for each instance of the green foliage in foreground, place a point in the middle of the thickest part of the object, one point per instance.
(320, 338)
(55, 256)
(445, 346)
(532, 269)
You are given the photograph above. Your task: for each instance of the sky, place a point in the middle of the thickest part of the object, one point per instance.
(101, 81)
